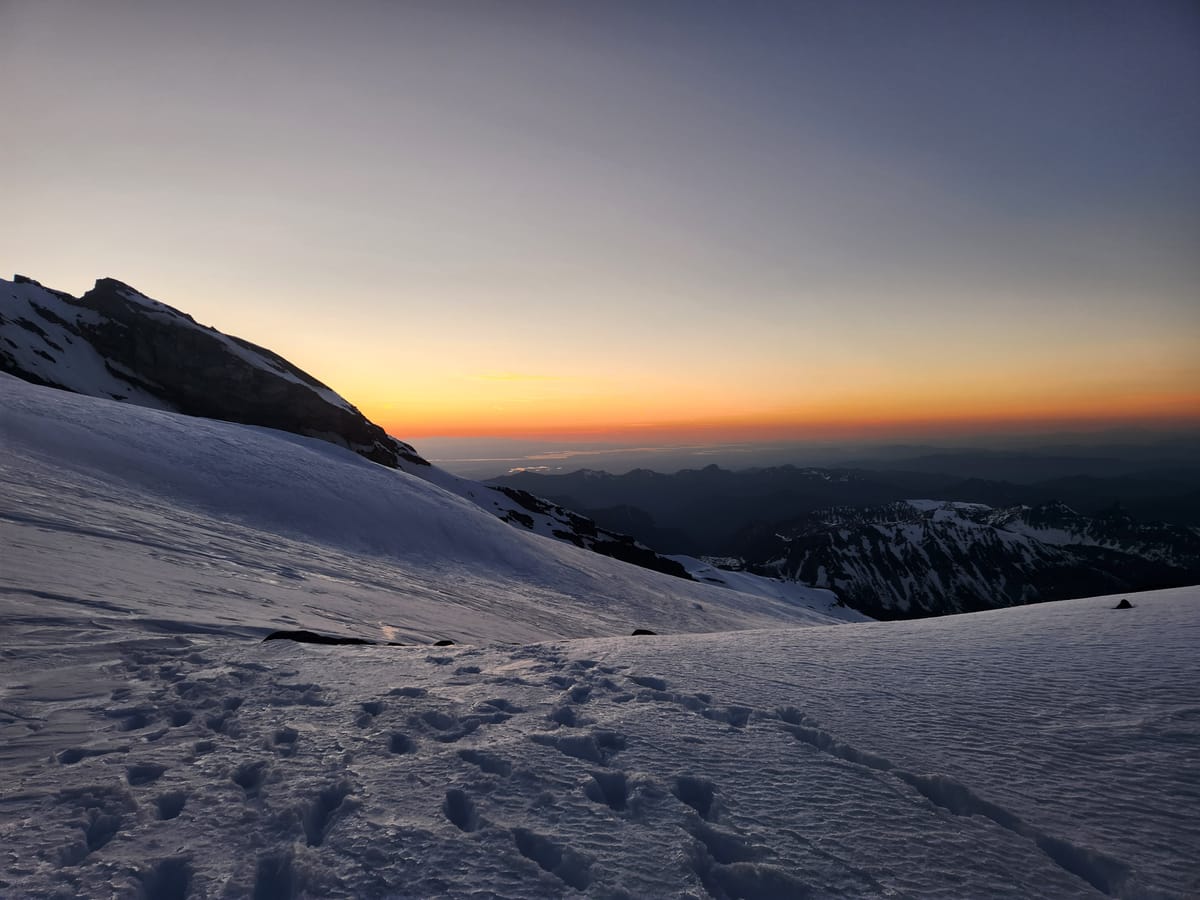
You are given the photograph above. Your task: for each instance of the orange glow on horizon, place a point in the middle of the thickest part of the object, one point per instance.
(858, 421)
(735, 397)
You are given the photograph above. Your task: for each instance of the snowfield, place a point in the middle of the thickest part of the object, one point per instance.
(151, 746)
(214, 526)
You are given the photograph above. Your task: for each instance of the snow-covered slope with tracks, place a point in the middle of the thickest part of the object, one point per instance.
(152, 747)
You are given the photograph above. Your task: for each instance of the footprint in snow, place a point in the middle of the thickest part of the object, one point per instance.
(250, 777)
(596, 747)
(171, 804)
(167, 879)
(370, 709)
(460, 810)
(401, 743)
(447, 728)
(568, 717)
(324, 810)
(648, 681)
(566, 864)
(609, 788)
(144, 773)
(487, 762)
(698, 793)
(103, 808)
(579, 693)
(284, 740)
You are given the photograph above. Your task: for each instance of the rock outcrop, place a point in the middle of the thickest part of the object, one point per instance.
(149, 349)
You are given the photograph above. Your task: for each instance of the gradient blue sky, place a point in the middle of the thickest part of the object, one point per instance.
(732, 219)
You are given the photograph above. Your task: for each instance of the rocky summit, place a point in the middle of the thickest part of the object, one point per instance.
(114, 341)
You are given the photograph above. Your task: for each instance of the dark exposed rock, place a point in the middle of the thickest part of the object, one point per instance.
(583, 532)
(196, 370)
(301, 636)
(191, 368)
(444, 642)
(628, 550)
(519, 518)
(638, 631)
(1124, 604)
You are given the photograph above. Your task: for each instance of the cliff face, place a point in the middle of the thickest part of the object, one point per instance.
(114, 341)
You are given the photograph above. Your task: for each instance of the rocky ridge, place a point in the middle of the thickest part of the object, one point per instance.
(117, 343)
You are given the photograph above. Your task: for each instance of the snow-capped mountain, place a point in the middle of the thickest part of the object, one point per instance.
(928, 557)
(117, 343)
(153, 747)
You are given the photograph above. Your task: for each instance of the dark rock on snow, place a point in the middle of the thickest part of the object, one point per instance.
(301, 636)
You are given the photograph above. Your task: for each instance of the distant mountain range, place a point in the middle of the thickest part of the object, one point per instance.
(702, 511)
(980, 545)
(927, 557)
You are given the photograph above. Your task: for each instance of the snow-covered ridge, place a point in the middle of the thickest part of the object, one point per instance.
(40, 340)
(944, 505)
(252, 354)
(117, 343)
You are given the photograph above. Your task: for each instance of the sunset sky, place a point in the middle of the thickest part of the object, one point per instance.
(717, 220)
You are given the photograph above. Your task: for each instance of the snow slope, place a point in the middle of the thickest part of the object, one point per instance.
(151, 746)
(115, 342)
(248, 525)
(837, 761)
